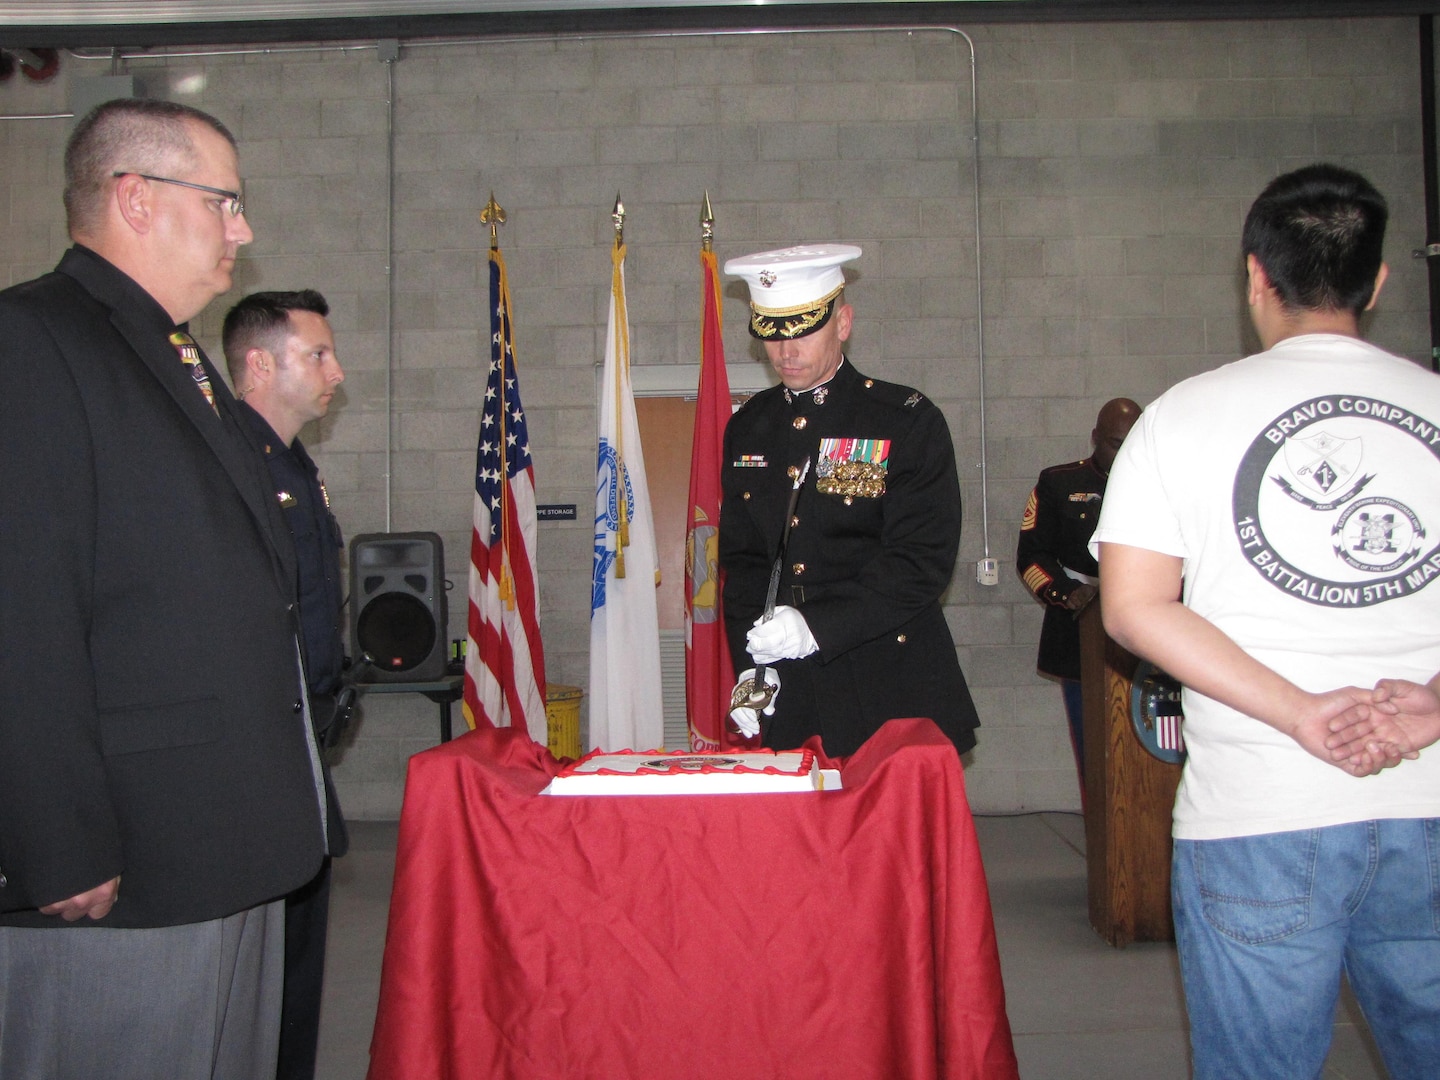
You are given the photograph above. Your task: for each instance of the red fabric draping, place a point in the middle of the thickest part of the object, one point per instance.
(841, 934)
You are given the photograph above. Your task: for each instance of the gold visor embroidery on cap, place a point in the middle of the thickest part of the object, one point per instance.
(766, 321)
(767, 328)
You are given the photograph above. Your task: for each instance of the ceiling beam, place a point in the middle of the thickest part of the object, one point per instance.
(75, 32)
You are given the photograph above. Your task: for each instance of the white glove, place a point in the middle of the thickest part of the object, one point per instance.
(784, 636)
(746, 719)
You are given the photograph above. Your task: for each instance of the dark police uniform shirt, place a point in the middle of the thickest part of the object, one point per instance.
(318, 541)
(871, 552)
(1055, 534)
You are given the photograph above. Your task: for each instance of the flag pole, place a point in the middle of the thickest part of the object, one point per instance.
(493, 215)
(622, 354)
(708, 669)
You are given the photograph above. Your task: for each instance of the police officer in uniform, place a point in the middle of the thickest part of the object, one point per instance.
(281, 355)
(857, 636)
(1053, 555)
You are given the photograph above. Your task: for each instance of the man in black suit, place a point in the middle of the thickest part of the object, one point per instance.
(159, 784)
(280, 353)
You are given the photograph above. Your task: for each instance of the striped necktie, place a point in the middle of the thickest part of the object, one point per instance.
(190, 357)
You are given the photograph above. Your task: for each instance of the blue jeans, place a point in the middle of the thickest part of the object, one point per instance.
(1265, 925)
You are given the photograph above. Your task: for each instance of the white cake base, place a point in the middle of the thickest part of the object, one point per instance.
(631, 772)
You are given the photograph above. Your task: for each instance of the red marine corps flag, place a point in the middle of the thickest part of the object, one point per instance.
(504, 659)
(708, 672)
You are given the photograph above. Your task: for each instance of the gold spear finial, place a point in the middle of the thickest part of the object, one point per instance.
(618, 216)
(494, 216)
(707, 224)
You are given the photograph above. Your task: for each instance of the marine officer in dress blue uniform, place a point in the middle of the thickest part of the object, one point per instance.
(281, 356)
(857, 635)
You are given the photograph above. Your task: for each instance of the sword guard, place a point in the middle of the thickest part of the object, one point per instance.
(747, 696)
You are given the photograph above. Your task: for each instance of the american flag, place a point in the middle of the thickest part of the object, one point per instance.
(504, 658)
(1169, 733)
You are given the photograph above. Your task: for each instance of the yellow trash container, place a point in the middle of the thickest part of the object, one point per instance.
(562, 719)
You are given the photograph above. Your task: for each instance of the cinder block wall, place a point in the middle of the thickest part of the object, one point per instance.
(1116, 163)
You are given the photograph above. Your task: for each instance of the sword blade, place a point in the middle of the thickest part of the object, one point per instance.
(761, 692)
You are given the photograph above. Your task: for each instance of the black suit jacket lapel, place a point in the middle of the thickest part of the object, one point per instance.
(225, 438)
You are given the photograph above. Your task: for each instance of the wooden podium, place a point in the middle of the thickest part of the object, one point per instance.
(1129, 795)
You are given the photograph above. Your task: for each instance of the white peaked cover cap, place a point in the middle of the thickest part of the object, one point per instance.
(795, 279)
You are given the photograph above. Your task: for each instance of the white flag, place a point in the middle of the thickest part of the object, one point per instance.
(625, 705)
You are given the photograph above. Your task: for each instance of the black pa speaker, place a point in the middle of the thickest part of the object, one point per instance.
(397, 606)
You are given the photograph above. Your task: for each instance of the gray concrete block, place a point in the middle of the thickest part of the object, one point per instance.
(413, 472)
(631, 146)
(1351, 136)
(1037, 297)
(648, 64)
(1166, 99)
(784, 141)
(1002, 101)
(1027, 56)
(1026, 216)
(1314, 97)
(1236, 98)
(1038, 376)
(922, 338)
(1165, 336)
(1367, 48)
(1111, 138)
(1206, 217)
(1205, 296)
(325, 76)
(1038, 138)
(453, 429)
(979, 623)
(1125, 296)
(439, 348)
(1083, 100)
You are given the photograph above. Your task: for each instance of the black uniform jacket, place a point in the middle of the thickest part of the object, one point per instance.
(301, 497)
(866, 569)
(306, 508)
(1055, 534)
(150, 721)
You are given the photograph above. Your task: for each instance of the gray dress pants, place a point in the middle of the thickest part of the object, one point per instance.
(194, 1002)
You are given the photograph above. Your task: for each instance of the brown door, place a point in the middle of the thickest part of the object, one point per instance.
(667, 428)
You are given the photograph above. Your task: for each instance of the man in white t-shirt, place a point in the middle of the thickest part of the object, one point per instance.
(1296, 496)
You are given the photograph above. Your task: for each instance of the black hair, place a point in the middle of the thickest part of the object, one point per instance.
(262, 320)
(1318, 233)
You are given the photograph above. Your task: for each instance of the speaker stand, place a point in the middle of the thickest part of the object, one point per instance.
(444, 692)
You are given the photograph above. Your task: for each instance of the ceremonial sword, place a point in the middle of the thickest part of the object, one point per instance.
(755, 693)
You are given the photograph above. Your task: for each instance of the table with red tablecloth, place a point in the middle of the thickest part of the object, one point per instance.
(815, 934)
